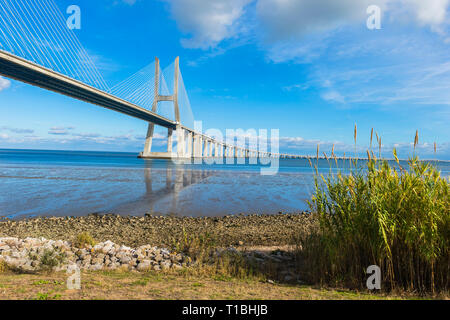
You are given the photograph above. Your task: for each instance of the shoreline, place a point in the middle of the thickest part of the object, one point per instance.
(230, 230)
(266, 243)
(303, 157)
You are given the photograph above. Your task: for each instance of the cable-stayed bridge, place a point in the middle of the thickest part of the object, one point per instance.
(37, 47)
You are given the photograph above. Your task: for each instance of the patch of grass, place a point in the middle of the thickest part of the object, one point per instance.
(47, 296)
(140, 282)
(3, 267)
(222, 277)
(45, 282)
(386, 215)
(197, 285)
(84, 240)
(211, 261)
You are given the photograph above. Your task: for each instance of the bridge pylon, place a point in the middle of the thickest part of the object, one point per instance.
(181, 133)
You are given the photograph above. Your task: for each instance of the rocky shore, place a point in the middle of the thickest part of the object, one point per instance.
(149, 243)
(31, 254)
(249, 230)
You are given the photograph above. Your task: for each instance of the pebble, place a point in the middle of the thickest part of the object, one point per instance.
(25, 255)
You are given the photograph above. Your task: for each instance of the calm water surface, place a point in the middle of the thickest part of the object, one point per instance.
(61, 183)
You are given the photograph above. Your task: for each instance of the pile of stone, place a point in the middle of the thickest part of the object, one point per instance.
(32, 254)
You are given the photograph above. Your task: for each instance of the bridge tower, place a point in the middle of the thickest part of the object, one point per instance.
(181, 139)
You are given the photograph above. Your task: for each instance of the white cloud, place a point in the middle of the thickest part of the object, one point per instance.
(208, 22)
(292, 19)
(17, 130)
(294, 30)
(4, 83)
(60, 131)
(418, 85)
(429, 12)
(128, 2)
(299, 86)
(302, 146)
(333, 96)
(303, 30)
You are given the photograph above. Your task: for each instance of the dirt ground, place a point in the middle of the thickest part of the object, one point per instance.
(105, 285)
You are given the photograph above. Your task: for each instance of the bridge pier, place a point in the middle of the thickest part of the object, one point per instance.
(211, 146)
(180, 142)
(148, 154)
(205, 148)
(190, 151)
(197, 146)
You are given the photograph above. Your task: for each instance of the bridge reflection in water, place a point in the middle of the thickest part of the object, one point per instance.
(163, 186)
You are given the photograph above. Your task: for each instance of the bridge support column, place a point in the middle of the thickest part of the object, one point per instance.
(198, 145)
(169, 140)
(181, 142)
(194, 145)
(211, 147)
(205, 148)
(208, 148)
(190, 152)
(149, 140)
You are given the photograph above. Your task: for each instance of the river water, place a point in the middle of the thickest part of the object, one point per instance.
(73, 183)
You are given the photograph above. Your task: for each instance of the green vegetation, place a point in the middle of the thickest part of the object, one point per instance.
(47, 296)
(83, 240)
(3, 267)
(210, 260)
(51, 259)
(386, 215)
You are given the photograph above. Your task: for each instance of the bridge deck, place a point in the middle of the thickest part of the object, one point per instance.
(26, 71)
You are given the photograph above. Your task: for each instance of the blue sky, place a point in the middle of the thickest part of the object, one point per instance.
(310, 68)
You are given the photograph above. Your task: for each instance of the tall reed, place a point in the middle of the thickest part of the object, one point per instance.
(386, 215)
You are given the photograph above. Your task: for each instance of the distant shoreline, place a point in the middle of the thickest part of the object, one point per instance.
(303, 157)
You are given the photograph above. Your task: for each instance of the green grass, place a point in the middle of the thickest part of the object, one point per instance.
(47, 296)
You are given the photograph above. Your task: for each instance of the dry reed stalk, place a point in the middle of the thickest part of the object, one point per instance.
(416, 139)
(371, 138)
